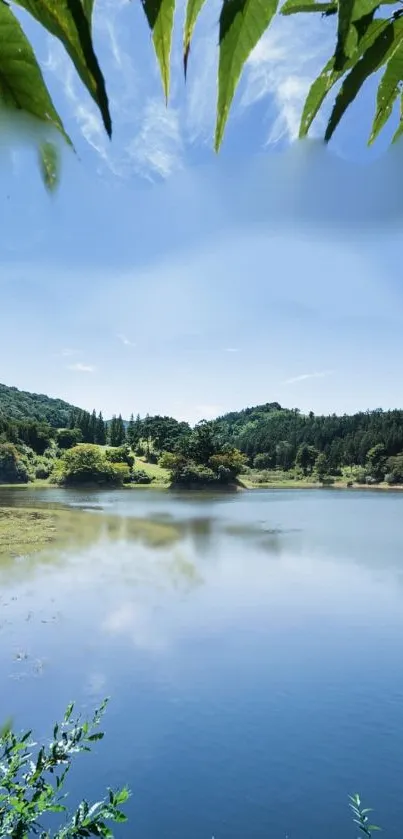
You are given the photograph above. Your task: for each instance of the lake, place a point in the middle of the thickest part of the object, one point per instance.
(251, 644)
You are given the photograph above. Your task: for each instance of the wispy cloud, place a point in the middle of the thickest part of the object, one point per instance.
(125, 340)
(157, 147)
(81, 368)
(282, 67)
(304, 376)
(68, 352)
(231, 349)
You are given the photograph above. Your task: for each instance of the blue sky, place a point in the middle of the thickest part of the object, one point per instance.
(162, 278)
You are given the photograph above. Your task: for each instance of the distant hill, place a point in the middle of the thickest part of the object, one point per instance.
(21, 405)
(279, 432)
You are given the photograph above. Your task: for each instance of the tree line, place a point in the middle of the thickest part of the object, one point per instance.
(277, 434)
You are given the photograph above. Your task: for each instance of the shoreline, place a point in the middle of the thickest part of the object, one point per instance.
(241, 487)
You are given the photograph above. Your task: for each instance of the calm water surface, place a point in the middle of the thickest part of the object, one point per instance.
(251, 644)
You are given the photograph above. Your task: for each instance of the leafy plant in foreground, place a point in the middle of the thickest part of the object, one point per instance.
(361, 816)
(32, 780)
(365, 44)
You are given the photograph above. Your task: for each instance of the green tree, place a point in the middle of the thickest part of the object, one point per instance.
(376, 463)
(100, 431)
(305, 458)
(120, 431)
(68, 437)
(265, 460)
(321, 466)
(284, 455)
(93, 428)
(202, 444)
(112, 432)
(131, 433)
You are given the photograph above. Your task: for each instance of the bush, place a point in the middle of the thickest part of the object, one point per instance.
(43, 468)
(140, 450)
(87, 464)
(227, 463)
(13, 468)
(140, 476)
(152, 457)
(360, 475)
(120, 454)
(194, 475)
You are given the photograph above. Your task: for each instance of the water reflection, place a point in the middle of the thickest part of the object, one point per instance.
(229, 634)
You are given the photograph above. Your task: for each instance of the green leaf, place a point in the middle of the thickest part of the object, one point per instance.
(21, 82)
(343, 27)
(160, 16)
(399, 130)
(88, 6)
(330, 76)
(69, 711)
(67, 20)
(292, 7)
(193, 10)
(49, 163)
(242, 24)
(372, 60)
(122, 795)
(388, 92)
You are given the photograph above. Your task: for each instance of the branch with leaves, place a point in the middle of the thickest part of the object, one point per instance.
(366, 43)
(32, 780)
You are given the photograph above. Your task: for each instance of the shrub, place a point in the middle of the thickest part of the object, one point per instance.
(13, 468)
(229, 463)
(87, 464)
(122, 472)
(120, 454)
(140, 476)
(194, 475)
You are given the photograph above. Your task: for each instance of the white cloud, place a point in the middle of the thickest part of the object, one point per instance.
(125, 341)
(304, 376)
(231, 349)
(81, 368)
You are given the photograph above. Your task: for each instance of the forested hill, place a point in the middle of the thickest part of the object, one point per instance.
(279, 432)
(20, 405)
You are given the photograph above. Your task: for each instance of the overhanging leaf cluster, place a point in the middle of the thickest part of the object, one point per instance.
(369, 40)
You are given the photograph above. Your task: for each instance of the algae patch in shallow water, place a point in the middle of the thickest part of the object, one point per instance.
(27, 531)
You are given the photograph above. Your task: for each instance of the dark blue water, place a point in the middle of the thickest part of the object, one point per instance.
(254, 657)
